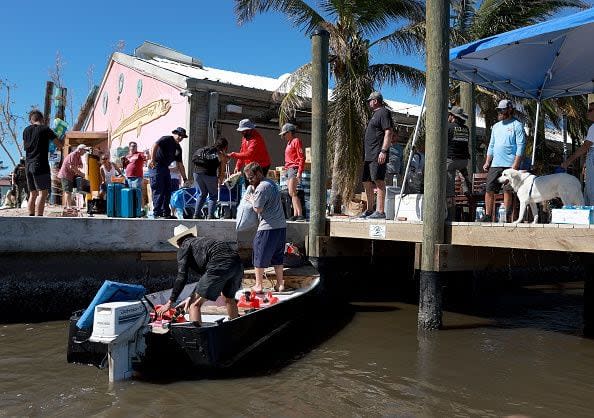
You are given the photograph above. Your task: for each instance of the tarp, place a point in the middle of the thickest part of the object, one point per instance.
(542, 61)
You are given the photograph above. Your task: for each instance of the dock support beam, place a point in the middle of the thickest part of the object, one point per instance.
(319, 141)
(430, 298)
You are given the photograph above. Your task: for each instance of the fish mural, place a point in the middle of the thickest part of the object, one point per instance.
(140, 117)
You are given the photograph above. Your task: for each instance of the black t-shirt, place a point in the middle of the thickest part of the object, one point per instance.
(168, 150)
(458, 137)
(202, 254)
(36, 139)
(206, 161)
(374, 134)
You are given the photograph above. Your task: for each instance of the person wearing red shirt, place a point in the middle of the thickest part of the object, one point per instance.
(253, 148)
(133, 163)
(294, 163)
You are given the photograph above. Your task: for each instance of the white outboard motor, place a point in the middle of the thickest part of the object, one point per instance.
(120, 326)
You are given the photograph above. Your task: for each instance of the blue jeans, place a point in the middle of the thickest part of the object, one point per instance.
(208, 186)
(161, 187)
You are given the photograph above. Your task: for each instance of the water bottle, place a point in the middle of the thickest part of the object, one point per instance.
(502, 214)
(395, 180)
(480, 212)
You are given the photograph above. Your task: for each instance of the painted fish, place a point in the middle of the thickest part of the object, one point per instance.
(140, 117)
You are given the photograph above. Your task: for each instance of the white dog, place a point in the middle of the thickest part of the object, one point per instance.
(532, 189)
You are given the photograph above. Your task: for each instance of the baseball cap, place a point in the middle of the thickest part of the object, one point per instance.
(287, 127)
(180, 131)
(375, 95)
(505, 104)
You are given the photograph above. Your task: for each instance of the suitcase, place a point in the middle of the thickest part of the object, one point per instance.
(114, 199)
(131, 202)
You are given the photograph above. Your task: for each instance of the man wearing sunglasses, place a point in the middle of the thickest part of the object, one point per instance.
(506, 149)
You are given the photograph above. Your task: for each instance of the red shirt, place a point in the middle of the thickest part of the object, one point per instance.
(134, 164)
(252, 150)
(294, 155)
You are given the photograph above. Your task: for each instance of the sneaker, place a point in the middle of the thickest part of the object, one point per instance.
(292, 218)
(365, 214)
(485, 218)
(377, 215)
(299, 218)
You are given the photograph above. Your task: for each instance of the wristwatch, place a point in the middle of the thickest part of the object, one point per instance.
(384, 151)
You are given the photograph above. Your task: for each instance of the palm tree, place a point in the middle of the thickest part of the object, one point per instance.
(474, 19)
(357, 28)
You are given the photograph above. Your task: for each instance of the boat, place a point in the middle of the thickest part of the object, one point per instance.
(128, 338)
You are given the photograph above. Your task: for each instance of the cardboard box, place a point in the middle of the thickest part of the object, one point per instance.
(578, 216)
(308, 154)
(356, 207)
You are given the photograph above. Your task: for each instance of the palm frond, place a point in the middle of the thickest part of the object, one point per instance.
(297, 11)
(409, 39)
(293, 93)
(381, 74)
(373, 17)
(497, 16)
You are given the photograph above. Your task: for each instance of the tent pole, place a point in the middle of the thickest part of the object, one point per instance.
(410, 154)
(535, 132)
(564, 132)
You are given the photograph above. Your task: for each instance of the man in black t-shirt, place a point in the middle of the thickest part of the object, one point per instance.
(164, 152)
(378, 136)
(36, 139)
(219, 266)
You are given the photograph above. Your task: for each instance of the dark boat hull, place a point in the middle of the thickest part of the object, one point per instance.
(222, 345)
(214, 345)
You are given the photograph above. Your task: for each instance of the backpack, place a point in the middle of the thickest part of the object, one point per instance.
(205, 155)
(416, 175)
(19, 175)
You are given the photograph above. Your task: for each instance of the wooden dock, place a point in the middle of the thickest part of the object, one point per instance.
(468, 245)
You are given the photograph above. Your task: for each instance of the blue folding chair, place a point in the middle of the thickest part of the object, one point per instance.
(184, 201)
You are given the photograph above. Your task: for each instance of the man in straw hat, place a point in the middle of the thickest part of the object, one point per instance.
(219, 265)
(458, 154)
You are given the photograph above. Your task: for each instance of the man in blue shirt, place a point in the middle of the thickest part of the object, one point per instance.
(506, 149)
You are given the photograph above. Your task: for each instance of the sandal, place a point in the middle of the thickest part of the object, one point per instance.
(253, 289)
(280, 288)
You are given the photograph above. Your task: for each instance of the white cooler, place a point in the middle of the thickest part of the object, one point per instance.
(411, 207)
(391, 193)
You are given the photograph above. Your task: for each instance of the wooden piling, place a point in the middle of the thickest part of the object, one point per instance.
(468, 103)
(437, 43)
(319, 142)
(47, 105)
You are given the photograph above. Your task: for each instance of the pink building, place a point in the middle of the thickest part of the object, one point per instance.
(145, 96)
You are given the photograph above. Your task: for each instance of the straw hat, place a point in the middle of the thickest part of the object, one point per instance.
(181, 231)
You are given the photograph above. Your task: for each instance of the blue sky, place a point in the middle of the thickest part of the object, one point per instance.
(85, 34)
(205, 29)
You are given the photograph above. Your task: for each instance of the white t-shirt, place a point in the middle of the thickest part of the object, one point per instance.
(590, 135)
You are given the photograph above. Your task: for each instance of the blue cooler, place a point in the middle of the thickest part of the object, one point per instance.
(114, 204)
(131, 202)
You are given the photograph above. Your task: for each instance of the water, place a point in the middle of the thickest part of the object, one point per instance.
(525, 356)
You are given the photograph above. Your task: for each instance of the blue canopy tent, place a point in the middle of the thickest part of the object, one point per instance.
(543, 61)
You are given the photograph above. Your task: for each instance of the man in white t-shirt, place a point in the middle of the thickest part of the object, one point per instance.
(585, 149)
